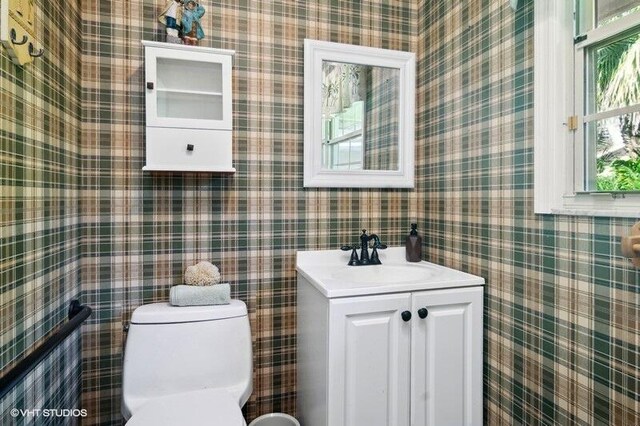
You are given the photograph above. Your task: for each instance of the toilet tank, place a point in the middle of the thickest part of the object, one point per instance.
(172, 349)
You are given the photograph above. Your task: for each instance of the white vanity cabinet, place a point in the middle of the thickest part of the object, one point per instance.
(188, 108)
(363, 362)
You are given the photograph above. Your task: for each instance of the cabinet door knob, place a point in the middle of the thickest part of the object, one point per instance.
(423, 312)
(406, 316)
(189, 147)
(150, 85)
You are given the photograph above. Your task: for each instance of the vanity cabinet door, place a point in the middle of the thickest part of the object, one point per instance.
(446, 359)
(369, 361)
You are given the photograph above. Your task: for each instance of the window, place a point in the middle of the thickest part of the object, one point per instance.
(342, 135)
(587, 107)
(607, 95)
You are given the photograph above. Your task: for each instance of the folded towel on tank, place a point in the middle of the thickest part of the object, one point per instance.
(187, 295)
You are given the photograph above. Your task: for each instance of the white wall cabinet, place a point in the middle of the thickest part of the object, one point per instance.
(189, 114)
(360, 363)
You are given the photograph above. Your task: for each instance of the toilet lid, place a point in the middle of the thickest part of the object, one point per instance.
(197, 408)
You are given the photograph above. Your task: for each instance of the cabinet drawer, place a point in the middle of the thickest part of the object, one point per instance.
(188, 150)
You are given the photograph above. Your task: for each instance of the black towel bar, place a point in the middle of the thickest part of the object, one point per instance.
(77, 314)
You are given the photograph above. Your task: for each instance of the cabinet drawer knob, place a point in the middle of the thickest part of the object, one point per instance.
(190, 147)
(406, 316)
(150, 85)
(423, 312)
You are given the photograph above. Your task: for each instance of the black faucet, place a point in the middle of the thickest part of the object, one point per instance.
(364, 250)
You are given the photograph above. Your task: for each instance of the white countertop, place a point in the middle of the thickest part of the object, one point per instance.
(327, 271)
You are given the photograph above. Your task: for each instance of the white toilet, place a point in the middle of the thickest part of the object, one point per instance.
(187, 365)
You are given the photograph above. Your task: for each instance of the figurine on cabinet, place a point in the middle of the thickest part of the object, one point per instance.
(192, 31)
(171, 17)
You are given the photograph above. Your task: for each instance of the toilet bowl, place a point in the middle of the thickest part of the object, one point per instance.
(187, 365)
(190, 409)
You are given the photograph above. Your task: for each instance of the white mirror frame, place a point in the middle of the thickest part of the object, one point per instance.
(315, 52)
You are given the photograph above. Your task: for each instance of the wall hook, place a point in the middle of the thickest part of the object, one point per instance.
(33, 53)
(14, 36)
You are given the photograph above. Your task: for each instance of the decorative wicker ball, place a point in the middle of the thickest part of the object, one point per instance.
(203, 273)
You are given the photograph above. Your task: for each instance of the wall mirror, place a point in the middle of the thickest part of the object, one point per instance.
(359, 112)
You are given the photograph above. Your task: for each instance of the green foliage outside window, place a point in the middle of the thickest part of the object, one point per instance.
(618, 86)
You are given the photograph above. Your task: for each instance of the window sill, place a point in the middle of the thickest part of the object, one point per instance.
(599, 205)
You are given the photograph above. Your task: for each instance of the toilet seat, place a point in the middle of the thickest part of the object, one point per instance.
(213, 407)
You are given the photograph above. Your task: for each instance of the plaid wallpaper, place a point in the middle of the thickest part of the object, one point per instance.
(53, 385)
(381, 123)
(561, 304)
(40, 167)
(561, 333)
(142, 230)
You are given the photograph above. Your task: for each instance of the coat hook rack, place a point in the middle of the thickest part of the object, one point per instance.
(33, 53)
(14, 39)
(18, 31)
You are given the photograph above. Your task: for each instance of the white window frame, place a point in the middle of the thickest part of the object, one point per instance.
(558, 150)
(349, 137)
(328, 142)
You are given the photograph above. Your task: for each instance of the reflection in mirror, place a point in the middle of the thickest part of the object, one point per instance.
(360, 117)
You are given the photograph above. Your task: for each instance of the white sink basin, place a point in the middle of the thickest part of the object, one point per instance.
(386, 274)
(327, 271)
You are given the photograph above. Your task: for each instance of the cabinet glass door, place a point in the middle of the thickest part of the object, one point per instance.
(188, 89)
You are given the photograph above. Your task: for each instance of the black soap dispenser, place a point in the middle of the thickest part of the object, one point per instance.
(414, 245)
